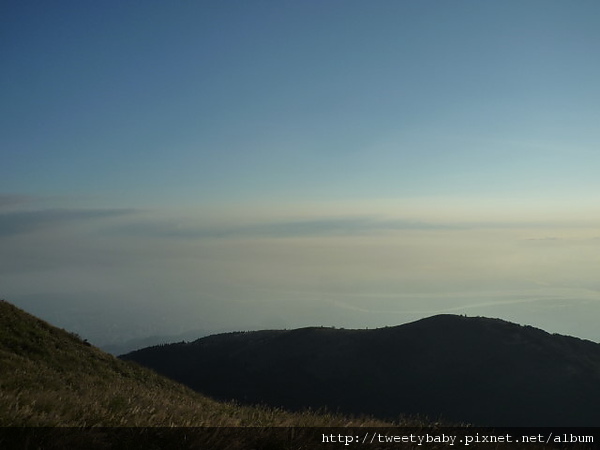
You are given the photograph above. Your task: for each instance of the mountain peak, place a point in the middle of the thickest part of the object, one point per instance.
(449, 367)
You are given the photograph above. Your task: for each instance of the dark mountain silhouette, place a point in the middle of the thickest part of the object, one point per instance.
(471, 370)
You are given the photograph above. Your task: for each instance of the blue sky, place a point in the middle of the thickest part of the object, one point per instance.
(221, 137)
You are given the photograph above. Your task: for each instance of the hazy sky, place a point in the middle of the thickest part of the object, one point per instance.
(177, 165)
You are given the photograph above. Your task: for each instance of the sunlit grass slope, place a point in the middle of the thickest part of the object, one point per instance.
(49, 377)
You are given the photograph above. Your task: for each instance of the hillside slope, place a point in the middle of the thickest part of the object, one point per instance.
(476, 370)
(49, 377)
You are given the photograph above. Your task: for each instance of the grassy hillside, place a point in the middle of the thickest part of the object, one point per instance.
(58, 392)
(49, 377)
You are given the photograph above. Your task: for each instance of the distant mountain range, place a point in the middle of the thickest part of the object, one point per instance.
(120, 348)
(460, 369)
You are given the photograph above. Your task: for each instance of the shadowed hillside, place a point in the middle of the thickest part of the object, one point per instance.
(475, 370)
(49, 377)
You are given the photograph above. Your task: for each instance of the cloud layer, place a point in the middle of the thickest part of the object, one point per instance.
(118, 273)
(20, 222)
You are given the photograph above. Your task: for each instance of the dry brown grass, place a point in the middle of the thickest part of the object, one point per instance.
(49, 377)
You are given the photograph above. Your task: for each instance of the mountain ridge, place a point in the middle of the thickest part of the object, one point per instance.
(454, 368)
